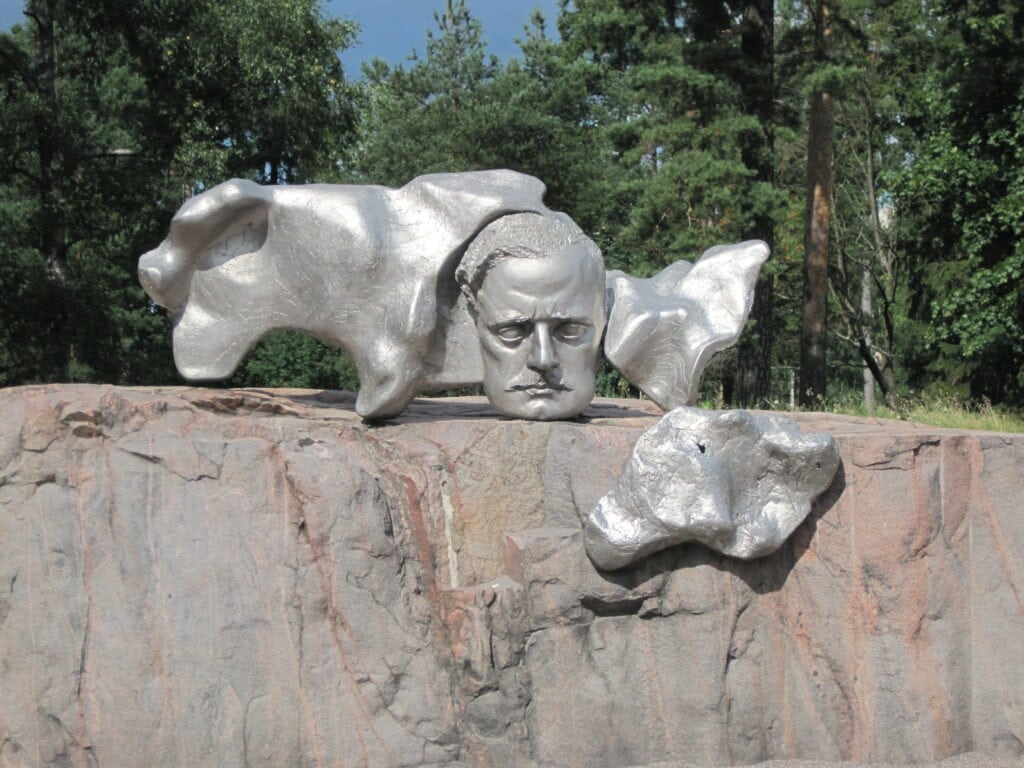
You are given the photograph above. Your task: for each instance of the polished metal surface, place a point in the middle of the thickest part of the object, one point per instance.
(663, 331)
(737, 482)
(378, 272)
(366, 268)
(537, 291)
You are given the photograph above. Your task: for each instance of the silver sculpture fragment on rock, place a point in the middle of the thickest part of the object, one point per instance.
(366, 268)
(662, 331)
(459, 278)
(737, 482)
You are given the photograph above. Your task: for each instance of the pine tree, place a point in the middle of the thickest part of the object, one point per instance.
(112, 114)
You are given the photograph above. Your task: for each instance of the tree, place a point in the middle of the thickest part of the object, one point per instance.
(459, 109)
(666, 90)
(960, 201)
(684, 95)
(886, 50)
(112, 114)
(864, 275)
(842, 57)
(813, 338)
(421, 118)
(757, 46)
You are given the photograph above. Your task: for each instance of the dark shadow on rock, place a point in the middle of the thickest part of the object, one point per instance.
(600, 410)
(649, 569)
(769, 574)
(328, 398)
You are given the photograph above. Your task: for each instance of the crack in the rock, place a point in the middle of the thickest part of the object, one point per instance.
(886, 464)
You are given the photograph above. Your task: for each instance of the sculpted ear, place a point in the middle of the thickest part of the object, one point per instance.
(213, 226)
(662, 331)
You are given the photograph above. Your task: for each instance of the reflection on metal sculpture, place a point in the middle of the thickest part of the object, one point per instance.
(537, 291)
(663, 331)
(373, 270)
(460, 278)
(365, 268)
(737, 482)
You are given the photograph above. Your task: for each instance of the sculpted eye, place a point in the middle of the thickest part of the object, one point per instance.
(512, 334)
(571, 331)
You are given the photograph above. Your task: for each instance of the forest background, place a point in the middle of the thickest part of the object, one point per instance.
(876, 145)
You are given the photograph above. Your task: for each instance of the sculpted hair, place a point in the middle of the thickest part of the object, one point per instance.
(519, 236)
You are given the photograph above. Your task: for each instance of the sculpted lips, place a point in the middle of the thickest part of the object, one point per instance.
(540, 388)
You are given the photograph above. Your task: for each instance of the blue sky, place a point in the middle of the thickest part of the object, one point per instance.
(391, 29)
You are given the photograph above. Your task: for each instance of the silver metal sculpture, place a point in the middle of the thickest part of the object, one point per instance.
(460, 278)
(537, 292)
(662, 331)
(373, 270)
(366, 268)
(737, 482)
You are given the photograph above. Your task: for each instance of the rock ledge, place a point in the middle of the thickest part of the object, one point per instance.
(256, 577)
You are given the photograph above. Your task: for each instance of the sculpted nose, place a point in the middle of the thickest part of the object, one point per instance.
(542, 351)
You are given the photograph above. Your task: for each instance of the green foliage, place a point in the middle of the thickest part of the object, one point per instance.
(666, 88)
(263, 91)
(112, 114)
(458, 109)
(293, 359)
(939, 406)
(962, 198)
(423, 118)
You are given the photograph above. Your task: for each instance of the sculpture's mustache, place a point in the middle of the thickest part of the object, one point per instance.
(541, 385)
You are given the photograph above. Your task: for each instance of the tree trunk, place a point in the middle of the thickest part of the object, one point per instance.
(813, 340)
(867, 321)
(754, 358)
(886, 378)
(51, 238)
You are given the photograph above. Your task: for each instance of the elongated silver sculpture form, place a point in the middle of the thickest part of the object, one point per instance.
(366, 268)
(451, 280)
(737, 482)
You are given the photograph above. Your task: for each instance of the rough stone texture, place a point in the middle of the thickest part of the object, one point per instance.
(233, 578)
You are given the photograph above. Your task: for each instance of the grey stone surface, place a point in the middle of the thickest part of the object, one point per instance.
(663, 331)
(965, 760)
(735, 481)
(216, 577)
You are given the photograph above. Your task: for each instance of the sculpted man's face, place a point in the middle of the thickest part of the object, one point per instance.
(540, 322)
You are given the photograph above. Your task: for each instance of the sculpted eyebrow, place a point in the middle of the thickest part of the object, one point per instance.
(573, 319)
(511, 320)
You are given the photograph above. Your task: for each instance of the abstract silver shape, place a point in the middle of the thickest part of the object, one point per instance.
(737, 482)
(662, 331)
(366, 268)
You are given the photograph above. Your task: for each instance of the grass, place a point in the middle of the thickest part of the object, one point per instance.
(949, 412)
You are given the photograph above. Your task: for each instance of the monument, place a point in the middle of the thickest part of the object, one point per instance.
(251, 577)
(375, 270)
